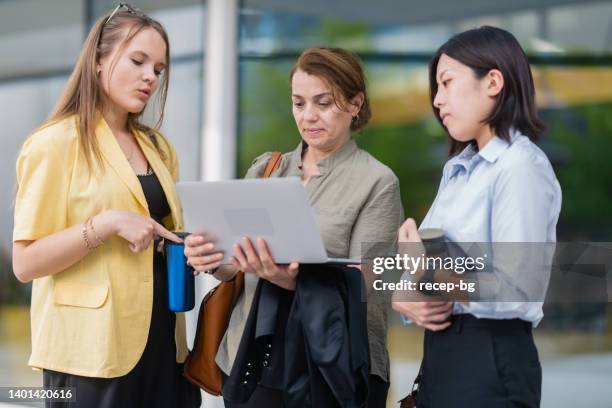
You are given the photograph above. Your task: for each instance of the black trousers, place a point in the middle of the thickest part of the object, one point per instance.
(377, 392)
(480, 363)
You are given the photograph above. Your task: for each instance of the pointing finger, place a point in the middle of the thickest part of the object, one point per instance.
(163, 232)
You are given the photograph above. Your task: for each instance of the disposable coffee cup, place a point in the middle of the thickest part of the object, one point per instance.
(437, 245)
(181, 282)
(434, 241)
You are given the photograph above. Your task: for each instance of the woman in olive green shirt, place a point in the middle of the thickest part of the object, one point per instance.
(356, 199)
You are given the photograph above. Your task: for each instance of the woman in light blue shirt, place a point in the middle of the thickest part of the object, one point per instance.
(498, 186)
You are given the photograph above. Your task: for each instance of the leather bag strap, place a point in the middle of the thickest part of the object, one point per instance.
(273, 164)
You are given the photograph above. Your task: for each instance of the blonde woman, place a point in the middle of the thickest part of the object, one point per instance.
(95, 192)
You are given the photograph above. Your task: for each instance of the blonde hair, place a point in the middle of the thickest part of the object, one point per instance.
(82, 95)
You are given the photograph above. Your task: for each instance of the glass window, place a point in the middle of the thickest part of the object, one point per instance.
(39, 36)
(182, 19)
(581, 28)
(183, 117)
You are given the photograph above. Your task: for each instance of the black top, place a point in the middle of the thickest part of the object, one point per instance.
(159, 209)
(156, 198)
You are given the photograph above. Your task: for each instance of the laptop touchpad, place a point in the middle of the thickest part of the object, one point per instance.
(249, 221)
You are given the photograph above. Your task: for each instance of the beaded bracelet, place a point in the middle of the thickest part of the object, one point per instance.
(100, 240)
(85, 238)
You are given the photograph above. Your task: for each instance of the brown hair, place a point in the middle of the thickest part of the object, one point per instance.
(343, 72)
(82, 96)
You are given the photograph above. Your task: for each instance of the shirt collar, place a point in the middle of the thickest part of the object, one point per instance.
(493, 149)
(345, 151)
(462, 160)
(297, 154)
(470, 157)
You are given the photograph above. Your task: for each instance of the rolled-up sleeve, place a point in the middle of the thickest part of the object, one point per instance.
(42, 189)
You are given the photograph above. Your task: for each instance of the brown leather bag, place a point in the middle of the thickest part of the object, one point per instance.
(215, 312)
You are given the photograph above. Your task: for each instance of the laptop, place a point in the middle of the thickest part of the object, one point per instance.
(276, 209)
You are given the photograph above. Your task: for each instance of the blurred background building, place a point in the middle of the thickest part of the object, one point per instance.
(229, 101)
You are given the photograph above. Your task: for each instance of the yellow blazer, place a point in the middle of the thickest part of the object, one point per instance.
(93, 318)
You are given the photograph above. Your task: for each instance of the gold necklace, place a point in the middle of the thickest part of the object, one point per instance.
(129, 158)
(149, 171)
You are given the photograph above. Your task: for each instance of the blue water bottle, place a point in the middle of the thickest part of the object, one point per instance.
(180, 277)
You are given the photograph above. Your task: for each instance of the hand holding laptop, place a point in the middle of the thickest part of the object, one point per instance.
(232, 209)
(247, 259)
(203, 256)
